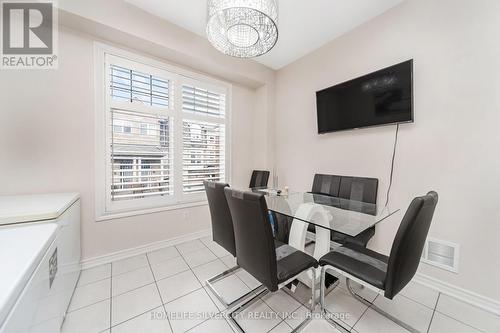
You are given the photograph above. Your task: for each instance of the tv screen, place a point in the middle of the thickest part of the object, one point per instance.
(380, 98)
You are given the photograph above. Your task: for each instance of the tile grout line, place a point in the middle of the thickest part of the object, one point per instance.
(92, 282)
(450, 317)
(203, 287)
(111, 298)
(364, 312)
(200, 282)
(282, 321)
(159, 293)
(287, 324)
(461, 322)
(275, 311)
(86, 306)
(220, 258)
(261, 297)
(125, 292)
(404, 296)
(419, 303)
(433, 312)
(232, 274)
(135, 316)
(288, 317)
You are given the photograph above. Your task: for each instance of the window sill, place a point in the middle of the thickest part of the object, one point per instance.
(119, 215)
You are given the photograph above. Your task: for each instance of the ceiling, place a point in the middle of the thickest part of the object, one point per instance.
(304, 25)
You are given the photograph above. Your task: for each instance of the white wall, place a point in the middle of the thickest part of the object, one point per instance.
(47, 145)
(453, 145)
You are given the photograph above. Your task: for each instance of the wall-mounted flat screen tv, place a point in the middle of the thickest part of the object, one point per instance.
(380, 98)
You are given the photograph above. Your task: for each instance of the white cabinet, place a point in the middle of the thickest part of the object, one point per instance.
(45, 297)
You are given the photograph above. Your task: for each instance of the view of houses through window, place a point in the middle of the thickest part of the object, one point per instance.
(145, 161)
(141, 156)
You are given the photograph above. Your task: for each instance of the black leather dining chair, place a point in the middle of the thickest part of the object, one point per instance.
(271, 262)
(352, 188)
(260, 178)
(377, 271)
(222, 233)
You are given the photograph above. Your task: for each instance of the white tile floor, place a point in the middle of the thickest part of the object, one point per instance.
(154, 292)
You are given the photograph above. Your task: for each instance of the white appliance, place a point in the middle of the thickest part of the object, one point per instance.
(43, 266)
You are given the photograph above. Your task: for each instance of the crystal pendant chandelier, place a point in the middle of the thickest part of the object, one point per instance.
(243, 28)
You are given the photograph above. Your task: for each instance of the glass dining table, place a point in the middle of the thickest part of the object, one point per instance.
(326, 213)
(349, 217)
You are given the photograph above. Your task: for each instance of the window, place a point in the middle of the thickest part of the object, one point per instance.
(203, 142)
(128, 85)
(164, 134)
(203, 157)
(138, 149)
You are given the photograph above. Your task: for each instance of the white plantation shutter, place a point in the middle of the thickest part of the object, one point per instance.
(201, 101)
(141, 144)
(203, 154)
(130, 85)
(141, 160)
(165, 133)
(203, 137)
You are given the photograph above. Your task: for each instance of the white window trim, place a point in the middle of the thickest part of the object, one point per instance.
(103, 103)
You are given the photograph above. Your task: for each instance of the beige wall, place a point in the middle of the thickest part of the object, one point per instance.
(47, 145)
(453, 145)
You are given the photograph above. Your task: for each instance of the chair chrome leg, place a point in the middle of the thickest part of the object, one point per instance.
(210, 284)
(322, 289)
(309, 317)
(313, 290)
(324, 312)
(242, 307)
(377, 309)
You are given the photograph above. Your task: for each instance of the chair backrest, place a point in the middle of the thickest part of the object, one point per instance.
(255, 250)
(409, 243)
(326, 184)
(352, 188)
(260, 178)
(359, 189)
(222, 223)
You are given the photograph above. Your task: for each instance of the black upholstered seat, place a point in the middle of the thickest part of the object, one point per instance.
(260, 178)
(360, 262)
(352, 188)
(269, 261)
(291, 261)
(392, 273)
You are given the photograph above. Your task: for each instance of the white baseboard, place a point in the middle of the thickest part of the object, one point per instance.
(467, 296)
(108, 258)
(464, 295)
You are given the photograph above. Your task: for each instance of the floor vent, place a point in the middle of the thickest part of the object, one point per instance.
(442, 254)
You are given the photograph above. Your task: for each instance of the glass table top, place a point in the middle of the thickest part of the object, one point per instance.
(349, 217)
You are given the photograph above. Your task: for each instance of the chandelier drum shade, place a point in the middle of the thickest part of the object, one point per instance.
(243, 28)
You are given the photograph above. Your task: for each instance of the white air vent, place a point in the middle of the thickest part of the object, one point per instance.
(441, 254)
